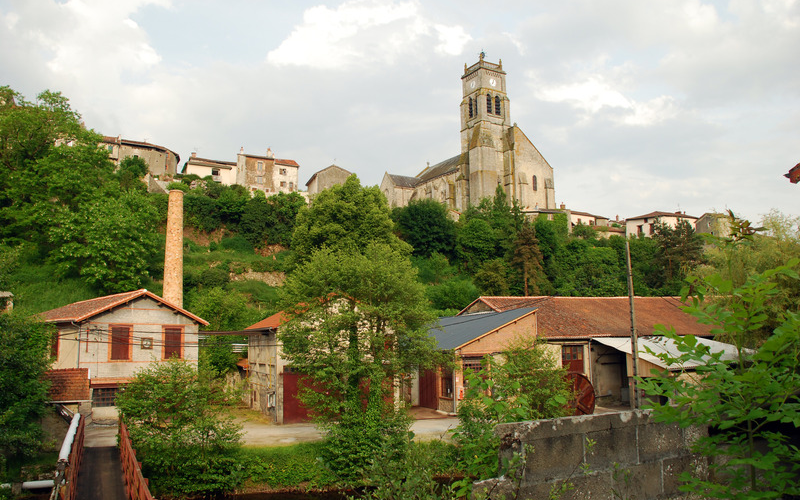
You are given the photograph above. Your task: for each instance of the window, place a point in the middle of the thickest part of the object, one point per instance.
(639, 229)
(259, 179)
(110, 148)
(571, 353)
(535, 183)
(473, 364)
(260, 167)
(54, 345)
(283, 171)
(172, 342)
(489, 103)
(283, 184)
(447, 384)
(497, 105)
(104, 396)
(120, 343)
(214, 171)
(291, 186)
(470, 107)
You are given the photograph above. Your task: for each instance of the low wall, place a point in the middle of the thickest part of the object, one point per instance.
(633, 457)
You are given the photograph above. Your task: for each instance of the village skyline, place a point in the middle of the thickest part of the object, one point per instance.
(694, 107)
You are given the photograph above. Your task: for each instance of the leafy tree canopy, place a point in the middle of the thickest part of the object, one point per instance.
(24, 357)
(427, 227)
(345, 216)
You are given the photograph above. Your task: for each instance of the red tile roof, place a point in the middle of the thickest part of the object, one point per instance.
(587, 317)
(272, 322)
(68, 385)
(83, 310)
(794, 174)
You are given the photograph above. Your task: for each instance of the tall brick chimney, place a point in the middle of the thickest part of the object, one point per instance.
(173, 255)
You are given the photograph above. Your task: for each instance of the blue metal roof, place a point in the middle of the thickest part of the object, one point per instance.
(453, 332)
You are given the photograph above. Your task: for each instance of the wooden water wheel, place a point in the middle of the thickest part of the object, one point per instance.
(583, 402)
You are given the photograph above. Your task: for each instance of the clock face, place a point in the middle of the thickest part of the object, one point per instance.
(492, 82)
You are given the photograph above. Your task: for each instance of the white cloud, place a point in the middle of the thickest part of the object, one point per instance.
(361, 32)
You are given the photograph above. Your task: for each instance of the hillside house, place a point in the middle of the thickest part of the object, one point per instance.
(644, 225)
(327, 177)
(160, 160)
(114, 336)
(265, 173)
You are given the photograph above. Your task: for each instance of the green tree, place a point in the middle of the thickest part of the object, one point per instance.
(476, 243)
(527, 257)
(679, 251)
(345, 216)
(523, 383)
(427, 227)
(111, 242)
(131, 171)
(751, 402)
(271, 220)
(492, 278)
(187, 447)
(24, 357)
(357, 324)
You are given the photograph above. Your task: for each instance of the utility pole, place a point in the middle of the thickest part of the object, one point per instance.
(634, 339)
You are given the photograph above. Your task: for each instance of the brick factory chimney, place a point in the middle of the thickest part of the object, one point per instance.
(173, 255)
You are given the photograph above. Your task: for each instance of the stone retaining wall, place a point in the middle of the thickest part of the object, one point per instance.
(627, 444)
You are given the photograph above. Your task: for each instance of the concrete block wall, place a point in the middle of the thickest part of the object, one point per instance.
(652, 455)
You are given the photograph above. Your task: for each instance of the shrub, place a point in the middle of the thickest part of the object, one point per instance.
(237, 243)
(214, 277)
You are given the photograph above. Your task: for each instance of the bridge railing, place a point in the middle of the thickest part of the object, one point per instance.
(136, 485)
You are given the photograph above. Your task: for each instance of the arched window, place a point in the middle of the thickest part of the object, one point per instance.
(497, 105)
(470, 107)
(489, 103)
(535, 185)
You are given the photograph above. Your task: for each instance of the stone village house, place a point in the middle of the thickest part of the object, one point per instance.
(107, 339)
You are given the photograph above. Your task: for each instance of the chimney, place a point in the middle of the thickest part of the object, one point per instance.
(269, 153)
(194, 154)
(173, 254)
(563, 207)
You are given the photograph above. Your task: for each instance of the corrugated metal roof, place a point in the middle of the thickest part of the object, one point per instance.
(453, 332)
(660, 345)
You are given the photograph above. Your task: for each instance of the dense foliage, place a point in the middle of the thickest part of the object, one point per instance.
(186, 446)
(522, 383)
(357, 323)
(24, 357)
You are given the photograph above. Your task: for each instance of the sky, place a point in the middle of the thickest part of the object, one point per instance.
(637, 105)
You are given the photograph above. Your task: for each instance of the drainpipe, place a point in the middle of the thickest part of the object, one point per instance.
(455, 389)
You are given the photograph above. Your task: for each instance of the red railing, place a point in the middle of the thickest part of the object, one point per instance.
(136, 485)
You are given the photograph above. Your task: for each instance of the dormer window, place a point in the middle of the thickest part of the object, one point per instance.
(489, 103)
(497, 105)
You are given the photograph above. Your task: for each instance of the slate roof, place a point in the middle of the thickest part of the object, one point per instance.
(441, 168)
(404, 181)
(453, 332)
(68, 385)
(590, 317)
(85, 309)
(653, 215)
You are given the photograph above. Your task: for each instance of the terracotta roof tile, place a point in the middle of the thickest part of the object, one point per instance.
(85, 309)
(273, 322)
(68, 385)
(653, 215)
(588, 317)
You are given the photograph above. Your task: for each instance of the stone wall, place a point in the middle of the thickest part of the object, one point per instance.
(633, 456)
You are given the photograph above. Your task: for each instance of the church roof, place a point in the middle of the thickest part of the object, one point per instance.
(404, 181)
(326, 169)
(441, 168)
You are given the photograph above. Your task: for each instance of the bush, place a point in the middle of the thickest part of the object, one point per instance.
(214, 277)
(236, 243)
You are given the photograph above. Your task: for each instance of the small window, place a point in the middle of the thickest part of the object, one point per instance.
(497, 105)
(283, 184)
(291, 186)
(283, 171)
(104, 396)
(489, 103)
(54, 346)
(260, 166)
(259, 179)
(472, 364)
(447, 384)
(110, 148)
(535, 183)
(639, 229)
(120, 343)
(470, 107)
(214, 171)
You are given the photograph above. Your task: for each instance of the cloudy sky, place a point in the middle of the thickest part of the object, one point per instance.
(638, 105)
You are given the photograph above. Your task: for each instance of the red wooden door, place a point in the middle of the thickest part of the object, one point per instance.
(293, 409)
(428, 396)
(572, 358)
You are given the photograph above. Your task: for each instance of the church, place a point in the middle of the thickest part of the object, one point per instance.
(493, 152)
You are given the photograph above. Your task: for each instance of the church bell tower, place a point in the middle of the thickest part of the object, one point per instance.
(485, 119)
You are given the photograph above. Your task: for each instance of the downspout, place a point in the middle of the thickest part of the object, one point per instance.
(455, 389)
